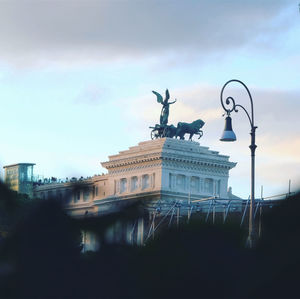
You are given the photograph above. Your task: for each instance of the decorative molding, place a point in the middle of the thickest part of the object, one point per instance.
(167, 153)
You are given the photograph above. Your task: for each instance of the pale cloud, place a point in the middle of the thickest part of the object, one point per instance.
(182, 112)
(188, 113)
(281, 147)
(92, 95)
(193, 102)
(279, 173)
(75, 31)
(278, 159)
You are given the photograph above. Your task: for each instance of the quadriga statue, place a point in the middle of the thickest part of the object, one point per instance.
(162, 129)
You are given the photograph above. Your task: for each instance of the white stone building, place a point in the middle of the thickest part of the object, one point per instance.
(164, 170)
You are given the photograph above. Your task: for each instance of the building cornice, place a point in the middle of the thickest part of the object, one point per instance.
(157, 152)
(167, 159)
(130, 161)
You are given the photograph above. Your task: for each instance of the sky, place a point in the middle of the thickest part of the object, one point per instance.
(76, 80)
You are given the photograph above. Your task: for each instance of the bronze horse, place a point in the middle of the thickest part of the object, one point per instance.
(192, 129)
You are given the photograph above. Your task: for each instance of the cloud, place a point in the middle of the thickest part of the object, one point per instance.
(281, 148)
(193, 102)
(92, 95)
(280, 172)
(74, 31)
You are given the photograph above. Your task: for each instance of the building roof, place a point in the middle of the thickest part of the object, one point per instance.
(17, 164)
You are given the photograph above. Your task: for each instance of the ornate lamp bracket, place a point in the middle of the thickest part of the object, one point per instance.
(229, 104)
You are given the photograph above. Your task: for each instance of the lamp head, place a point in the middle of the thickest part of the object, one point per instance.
(228, 134)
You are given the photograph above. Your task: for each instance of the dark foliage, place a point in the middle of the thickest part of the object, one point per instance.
(42, 251)
(41, 259)
(10, 203)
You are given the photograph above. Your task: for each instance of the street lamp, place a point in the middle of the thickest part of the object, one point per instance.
(229, 135)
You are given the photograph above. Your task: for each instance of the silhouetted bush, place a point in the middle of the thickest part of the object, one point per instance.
(41, 259)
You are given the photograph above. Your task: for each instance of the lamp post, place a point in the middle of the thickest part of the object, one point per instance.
(229, 106)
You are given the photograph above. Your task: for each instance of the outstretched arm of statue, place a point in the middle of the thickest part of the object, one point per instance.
(173, 102)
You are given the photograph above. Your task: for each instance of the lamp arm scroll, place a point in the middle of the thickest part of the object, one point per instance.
(230, 100)
(251, 123)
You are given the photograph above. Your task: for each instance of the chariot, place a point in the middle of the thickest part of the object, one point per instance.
(160, 131)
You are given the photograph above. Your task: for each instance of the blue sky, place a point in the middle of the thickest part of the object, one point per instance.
(76, 81)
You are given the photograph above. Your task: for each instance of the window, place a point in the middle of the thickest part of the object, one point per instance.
(67, 196)
(77, 196)
(29, 173)
(86, 194)
(208, 186)
(201, 186)
(123, 185)
(145, 181)
(22, 177)
(172, 180)
(194, 184)
(180, 182)
(134, 183)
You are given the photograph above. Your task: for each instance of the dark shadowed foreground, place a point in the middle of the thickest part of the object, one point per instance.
(41, 257)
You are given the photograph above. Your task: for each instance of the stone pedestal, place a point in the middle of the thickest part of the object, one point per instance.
(168, 169)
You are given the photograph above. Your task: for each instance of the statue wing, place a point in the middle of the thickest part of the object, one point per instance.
(159, 97)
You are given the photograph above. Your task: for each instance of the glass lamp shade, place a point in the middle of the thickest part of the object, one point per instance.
(228, 134)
